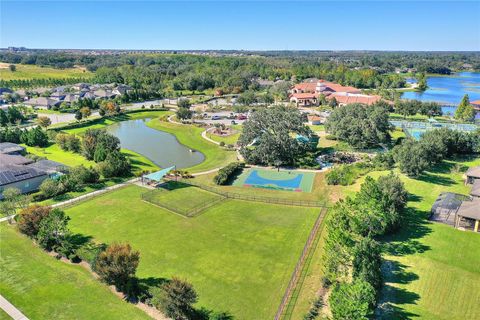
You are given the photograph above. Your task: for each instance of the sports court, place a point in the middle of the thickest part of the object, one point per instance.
(274, 180)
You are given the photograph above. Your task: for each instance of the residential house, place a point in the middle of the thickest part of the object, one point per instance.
(24, 178)
(42, 102)
(103, 94)
(122, 89)
(11, 148)
(314, 120)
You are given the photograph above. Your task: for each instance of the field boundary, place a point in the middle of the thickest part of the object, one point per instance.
(254, 198)
(299, 267)
(189, 213)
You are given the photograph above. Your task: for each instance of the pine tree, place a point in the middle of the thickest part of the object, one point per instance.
(465, 111)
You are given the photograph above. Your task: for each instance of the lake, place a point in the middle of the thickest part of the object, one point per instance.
(160, 147)
(449, 90)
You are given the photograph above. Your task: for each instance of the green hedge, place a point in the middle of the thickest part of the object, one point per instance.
(227, 172)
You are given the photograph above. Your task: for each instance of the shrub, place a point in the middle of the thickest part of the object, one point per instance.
(84, 175)
(50, 188)
(30, 218)
(347, 174)
(227, 172)
(53, 230)
(352, 300)
(175, 298)
(117, 264)
(115, 165)
(222, 144)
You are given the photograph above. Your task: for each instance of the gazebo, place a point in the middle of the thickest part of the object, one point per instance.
(156, 177)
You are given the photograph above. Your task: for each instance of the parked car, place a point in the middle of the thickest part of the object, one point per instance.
(241, 117)
(216, 117)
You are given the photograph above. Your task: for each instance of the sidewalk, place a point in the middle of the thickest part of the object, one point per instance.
(11, 310)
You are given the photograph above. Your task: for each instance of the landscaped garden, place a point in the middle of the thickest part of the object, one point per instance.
(238, 255)
(45, 288)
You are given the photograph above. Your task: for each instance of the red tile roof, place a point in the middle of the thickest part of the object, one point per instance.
(304, 95)
(354, 98)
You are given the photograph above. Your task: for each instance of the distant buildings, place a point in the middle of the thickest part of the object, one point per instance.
(52, 98)
(308, 93)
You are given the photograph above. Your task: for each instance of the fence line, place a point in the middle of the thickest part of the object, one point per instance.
(239, 196)
(300, 264)
(150, 197)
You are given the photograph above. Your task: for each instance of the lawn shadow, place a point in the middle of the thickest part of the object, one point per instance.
(78, 239)
(436, 179)
(405, 241)
(392, 296)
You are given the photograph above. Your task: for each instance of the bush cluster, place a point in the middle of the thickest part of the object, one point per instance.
(68, 142)
(226, 173)
(414, 157)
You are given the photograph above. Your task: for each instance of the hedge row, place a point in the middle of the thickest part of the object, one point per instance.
(227, 172)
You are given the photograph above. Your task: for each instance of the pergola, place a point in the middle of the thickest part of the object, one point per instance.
(157, 177)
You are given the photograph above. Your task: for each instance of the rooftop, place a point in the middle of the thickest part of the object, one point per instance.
(8, 147)
(12, 173)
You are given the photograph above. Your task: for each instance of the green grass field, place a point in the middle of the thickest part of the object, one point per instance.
(431, 269)
(190, 136)
(238, 255)
(184, 197)
(27, 72)
(44, 288)
(71, 159)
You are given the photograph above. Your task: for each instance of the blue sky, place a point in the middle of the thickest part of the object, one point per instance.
(249, 25)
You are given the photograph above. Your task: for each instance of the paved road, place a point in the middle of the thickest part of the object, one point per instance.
(11, 310)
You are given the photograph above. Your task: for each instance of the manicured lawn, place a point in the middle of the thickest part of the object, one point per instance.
(44, 288)
(191, 137)
(26, 72)
(431, 269)
(71, 159)
(238, 255)
(184, 198)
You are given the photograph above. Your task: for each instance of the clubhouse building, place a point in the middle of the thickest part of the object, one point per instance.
(307, 94)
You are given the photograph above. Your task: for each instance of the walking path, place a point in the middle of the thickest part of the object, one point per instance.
(11, 310)
(204, 136)
(94, 193)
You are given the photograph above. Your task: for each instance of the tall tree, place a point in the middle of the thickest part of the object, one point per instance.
(465, 111)
(269, 136)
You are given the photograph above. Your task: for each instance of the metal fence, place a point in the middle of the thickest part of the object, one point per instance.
(299, 266)
(256, 198)
(151, 197)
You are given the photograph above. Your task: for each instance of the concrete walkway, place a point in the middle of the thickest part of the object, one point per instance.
(11, 310)
(204, 136)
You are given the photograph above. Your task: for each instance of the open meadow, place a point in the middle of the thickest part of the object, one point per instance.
(44, 288)
(29, 72)
(238, 255)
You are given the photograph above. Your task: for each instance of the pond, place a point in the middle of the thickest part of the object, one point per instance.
(449, 90)
(160, 147)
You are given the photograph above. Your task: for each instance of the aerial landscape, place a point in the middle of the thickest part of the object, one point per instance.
(248, 160)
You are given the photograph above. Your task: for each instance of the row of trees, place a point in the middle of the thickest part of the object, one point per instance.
(35, 137)
(352, 257)
(414, 157)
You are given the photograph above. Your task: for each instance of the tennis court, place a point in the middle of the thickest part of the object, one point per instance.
(276, 180)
